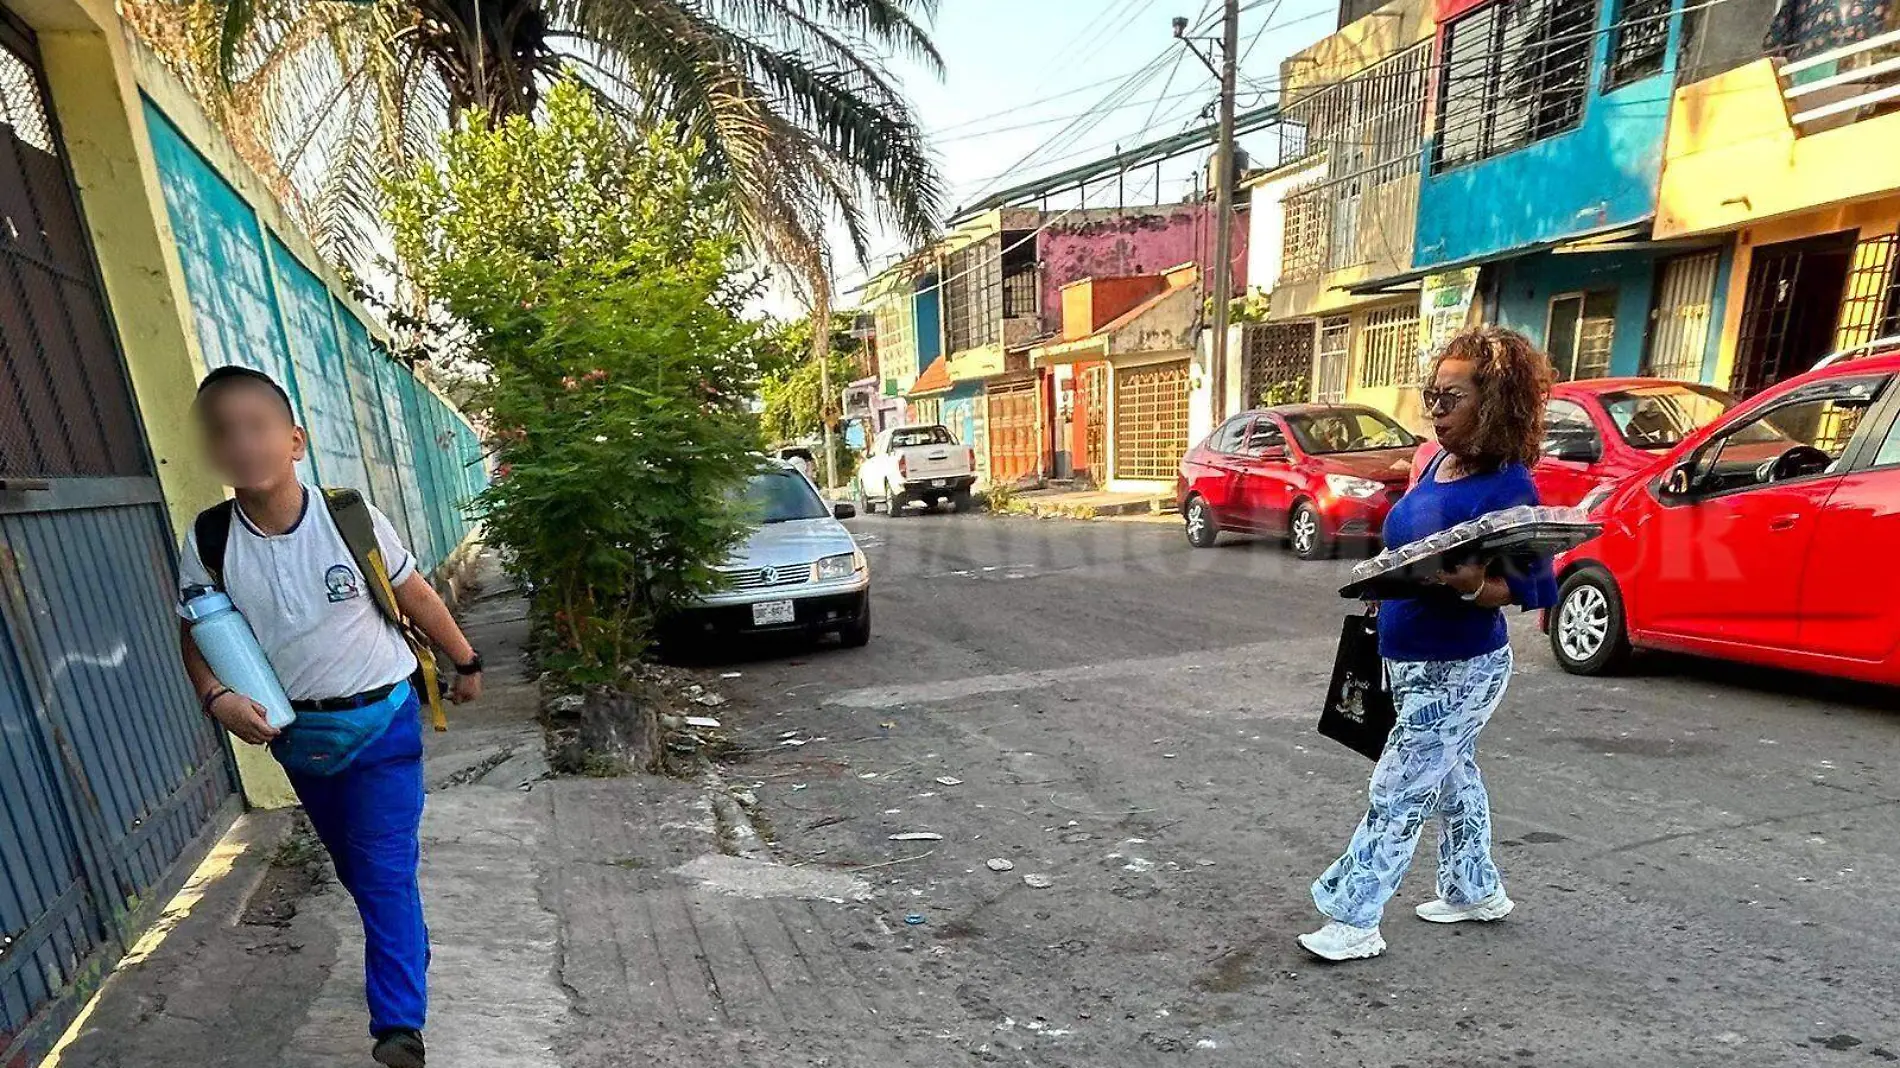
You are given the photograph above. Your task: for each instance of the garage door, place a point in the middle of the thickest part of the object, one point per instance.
(1015, 432)
(1151, 420)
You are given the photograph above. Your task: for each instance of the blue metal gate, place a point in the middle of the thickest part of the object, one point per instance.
(110, 779)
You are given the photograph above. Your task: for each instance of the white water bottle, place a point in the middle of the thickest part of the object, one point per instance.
(228, 645)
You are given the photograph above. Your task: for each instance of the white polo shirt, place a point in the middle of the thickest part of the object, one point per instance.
(310, 609)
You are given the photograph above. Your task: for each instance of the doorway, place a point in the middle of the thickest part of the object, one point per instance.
(1791, 310)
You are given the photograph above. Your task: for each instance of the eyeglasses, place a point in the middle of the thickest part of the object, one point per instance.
(1441, 401)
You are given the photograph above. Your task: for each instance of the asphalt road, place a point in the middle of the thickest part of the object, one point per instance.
(1704, 858)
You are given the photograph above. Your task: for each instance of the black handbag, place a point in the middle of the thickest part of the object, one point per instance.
(1359, 712)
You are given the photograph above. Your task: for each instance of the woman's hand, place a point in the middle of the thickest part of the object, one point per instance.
(1465, 578)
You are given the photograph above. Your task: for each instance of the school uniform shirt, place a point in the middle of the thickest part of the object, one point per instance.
(310, 609)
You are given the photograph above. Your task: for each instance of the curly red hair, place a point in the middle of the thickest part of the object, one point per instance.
(1513, 379)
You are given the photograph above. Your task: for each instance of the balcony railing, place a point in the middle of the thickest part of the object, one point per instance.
(1842, 85)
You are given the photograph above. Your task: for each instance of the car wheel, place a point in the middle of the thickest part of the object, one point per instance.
(1306, 533)
(858, 634)
(865, 505)
(961, 500)
(1587, 632)
(1203, 530)
(895, 500)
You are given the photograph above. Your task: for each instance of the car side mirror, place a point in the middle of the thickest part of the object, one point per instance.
(1576, 450)
(844, 511)
(1679, 482)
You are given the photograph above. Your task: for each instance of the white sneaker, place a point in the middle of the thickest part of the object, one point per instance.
(1342, 941)
(1495, 907)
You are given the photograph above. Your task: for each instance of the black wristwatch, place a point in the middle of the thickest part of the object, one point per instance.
(473, 667)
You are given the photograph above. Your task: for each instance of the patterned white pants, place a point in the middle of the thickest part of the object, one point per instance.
(1429, 768)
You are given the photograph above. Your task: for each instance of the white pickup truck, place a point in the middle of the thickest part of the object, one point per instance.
(915, 463)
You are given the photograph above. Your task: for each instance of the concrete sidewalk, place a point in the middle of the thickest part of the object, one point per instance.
(1089, 504)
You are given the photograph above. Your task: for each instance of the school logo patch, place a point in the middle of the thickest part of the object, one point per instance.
(341, 582)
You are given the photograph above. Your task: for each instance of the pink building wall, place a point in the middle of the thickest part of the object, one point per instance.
(1114, 243)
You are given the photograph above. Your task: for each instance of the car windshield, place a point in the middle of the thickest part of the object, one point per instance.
(1347, 430)
(782, 496)
(1659, 417)
(921, 435)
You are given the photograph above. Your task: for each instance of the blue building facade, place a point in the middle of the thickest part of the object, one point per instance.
(1542, 160)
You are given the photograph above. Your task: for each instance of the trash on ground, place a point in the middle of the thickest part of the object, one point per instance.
(731, 674)
(917, 836)
(999, 864)
(797, 786)
(710, 700)
(868, 775)
(1036, 881)
(914, 919)
(702, 721)
(949, 780)
(888, 725)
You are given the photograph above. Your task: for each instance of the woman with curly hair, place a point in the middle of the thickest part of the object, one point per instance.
(1447, 654)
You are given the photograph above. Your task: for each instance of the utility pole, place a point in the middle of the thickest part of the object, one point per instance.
(1223, 193)
(828, 409)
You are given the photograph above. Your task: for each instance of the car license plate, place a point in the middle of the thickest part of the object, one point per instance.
(939, 483)
(766, 613)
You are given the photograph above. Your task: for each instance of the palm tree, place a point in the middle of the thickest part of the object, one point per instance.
(791, 98)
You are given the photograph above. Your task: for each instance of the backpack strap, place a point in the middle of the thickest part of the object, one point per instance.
(351, 515)
(211, 531)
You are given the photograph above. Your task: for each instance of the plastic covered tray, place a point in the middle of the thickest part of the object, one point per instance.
(1514, 539)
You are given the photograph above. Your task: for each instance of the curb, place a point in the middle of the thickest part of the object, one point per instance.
(738, 835)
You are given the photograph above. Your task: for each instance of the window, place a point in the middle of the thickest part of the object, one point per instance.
(921, 435)
(1870, 306)
(1335, 336)
(1391, 342)
(1569, 434)
(1659, 417)
(1638, 41)
(1515, 72)
(1264, 435)
(781, 497)
(972, 296)
(1802, 437)
(1679, 327)
(1581, 332)
(1889, 452)
(1348, 430)
(1227, 439)
(1303, 243)
(1151, 414)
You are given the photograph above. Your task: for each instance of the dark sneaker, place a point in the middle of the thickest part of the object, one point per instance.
(400, 1049)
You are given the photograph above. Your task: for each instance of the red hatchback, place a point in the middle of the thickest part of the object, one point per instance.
(1765, 537)
(1600, 431)
(1311, 473)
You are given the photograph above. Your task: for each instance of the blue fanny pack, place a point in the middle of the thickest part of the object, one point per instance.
(326, 742)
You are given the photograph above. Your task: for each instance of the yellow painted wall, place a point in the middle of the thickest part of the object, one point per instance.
(1732, 159)
(1871, 219)
(1387, 31)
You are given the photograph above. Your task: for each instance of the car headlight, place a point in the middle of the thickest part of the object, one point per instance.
(1353, 486)
(842, 566)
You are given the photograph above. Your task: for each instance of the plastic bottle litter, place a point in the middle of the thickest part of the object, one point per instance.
(229, 646)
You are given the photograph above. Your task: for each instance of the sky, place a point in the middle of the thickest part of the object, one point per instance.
(1018, 73)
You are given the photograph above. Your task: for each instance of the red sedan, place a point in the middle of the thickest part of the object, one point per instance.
(1312, 473)
(1601, 431)
(1763, 537)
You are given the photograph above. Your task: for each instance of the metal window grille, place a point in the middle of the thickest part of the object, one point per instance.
(1334, 354)
(1870, 304)
(1095, 410)
(972, 293)
(896, 350)
(1515, 72)
(1639, 40)
(65, 406)
(1370, 126)
(1278, 363)
(1679, 326)
(1303, 242)
(1151, 420)
(1582, 333)
(1020, 293)
(1391, 342)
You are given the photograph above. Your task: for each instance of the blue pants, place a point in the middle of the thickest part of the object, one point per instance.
(369, 816)
(1429, 768)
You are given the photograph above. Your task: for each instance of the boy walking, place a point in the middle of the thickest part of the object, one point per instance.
(354, 755)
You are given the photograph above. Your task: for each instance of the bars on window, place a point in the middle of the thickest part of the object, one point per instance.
(1639, 38)
(1151, 432)
(1334, 357)
(1390, 340)
(1870, 303)
(1679, 327)
(1515, 72)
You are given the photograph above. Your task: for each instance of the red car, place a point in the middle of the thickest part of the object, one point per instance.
(1601, 431)
(1314, 474)
(1766, 536)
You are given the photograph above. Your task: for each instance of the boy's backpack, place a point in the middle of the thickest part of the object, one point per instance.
(350, 513)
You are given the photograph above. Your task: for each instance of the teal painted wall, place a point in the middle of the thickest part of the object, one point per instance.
(372, 424)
